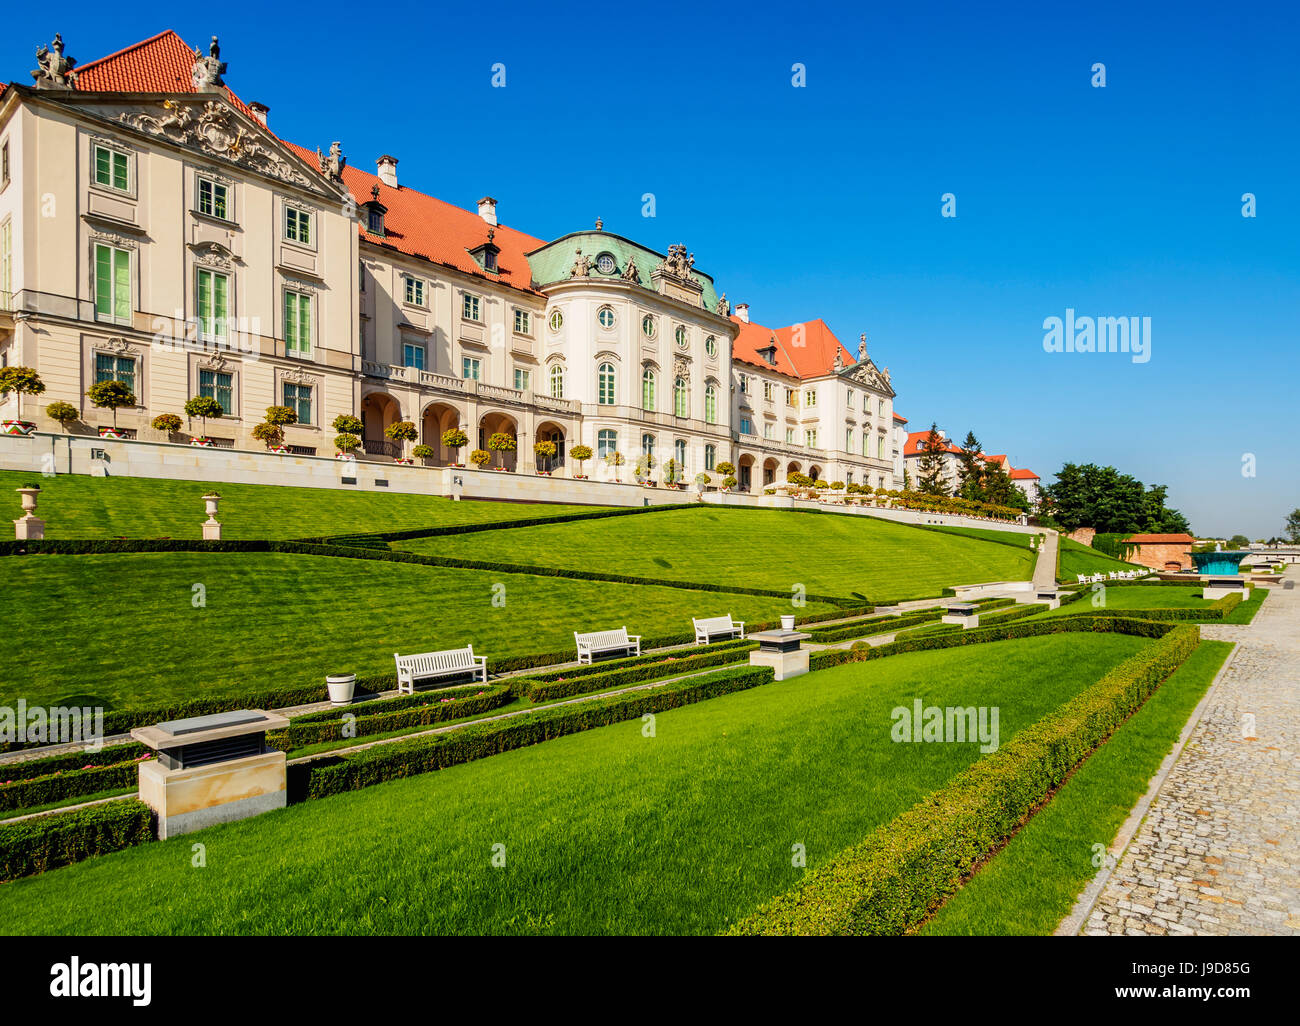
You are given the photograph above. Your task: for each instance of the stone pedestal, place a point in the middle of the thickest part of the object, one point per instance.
(782, 651)
(211, 530)
(1221, 587)
(29, 528)
(1049, 598)
(191, 799)
(963, 614)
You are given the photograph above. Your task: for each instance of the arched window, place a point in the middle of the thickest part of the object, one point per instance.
(679, 397)
(648, 445)
(710, 456)
(605, 376)
(647, 389)
(606, 442)
(557, 382)
(711, 404)
(679, 448)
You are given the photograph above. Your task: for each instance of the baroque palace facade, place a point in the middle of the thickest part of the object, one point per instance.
(155, 230)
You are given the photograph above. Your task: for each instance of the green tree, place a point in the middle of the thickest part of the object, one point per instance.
(401, 432)
(970, 469)
(455, 439)
(1238, 541)
(20, 381)
(203, 407)
(62, 413)
(500, 442)
(1086, 495)
(580, 453)
(931, 464)
(110, 395)
(546, 452)
(996, 487)
(1292, 527)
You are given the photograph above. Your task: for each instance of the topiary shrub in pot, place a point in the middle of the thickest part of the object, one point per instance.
(545, 451)
(110, 395)
(424, 452)
(346, 445)
(167, 423)
(615, 460)
(455, 439)
(271, 430)
(401, 432)
(20, 381)
(480, 458)
(580, 454)
(730, 482)
(501, 442)
(641, 469)
(203, 407)
(62, 414)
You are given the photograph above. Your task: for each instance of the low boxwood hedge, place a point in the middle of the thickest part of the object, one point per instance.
(47, 842)
(326, 776)
(110, 755)
(666, 666)
(1220, 609)
(894, 878)
(64, 784)
(874, 625)
(423, 709)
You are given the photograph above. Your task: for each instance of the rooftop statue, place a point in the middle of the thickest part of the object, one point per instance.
(54, 70)
(208, 70)
(581, 267)
(723, 308)
(332, 165)
(630, 272)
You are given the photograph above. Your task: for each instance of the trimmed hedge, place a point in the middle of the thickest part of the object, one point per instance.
(47, 842)
(889, 882)
(1220, 609)
(877, 625)
(61, 785)
(556, 688)
(423, 709)
(327, 776)
(27, 769)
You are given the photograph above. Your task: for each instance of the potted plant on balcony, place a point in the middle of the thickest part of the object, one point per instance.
(424, 452)
(271, 430)
(62, 413)
(614, 459)
(501, 442)
(730, 482)
(168, 423)
(350, 427)
(455, 439)
(728, 472)
(644, 464)
(346, 445)
(672, 473)
(203, 407)
(580, 454)
(545, 451)
(480, 458)
(110, 395)
(702, 481)
(401, 432)
(20, 381)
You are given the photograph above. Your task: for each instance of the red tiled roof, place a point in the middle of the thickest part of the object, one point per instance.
(754, 337)
(811, 347)
(911, 448)
(901, 419)
(1161, 539)
(1024, 474)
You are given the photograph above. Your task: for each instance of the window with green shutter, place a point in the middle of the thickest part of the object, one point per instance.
(112, 284)
(219, 386)
(297, 323)
(298, 399)
(112, 169)
(212, 300)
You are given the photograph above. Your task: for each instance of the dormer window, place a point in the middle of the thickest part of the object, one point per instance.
(768, 352)
(486, 254)
(375, 212)
(489, 259)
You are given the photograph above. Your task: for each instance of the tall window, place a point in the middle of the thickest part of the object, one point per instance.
(880, 446)
(219, 386)
(769, 390)
(679, 449)
(746, 426)
(866, 443)
(4, 165)
(214, 199)
(866, 403)
(522, 380)
(680, 401)
(557, 382)
(413, 355)
(415, 291)
(297, 323)
(212, 300)
(848, 441)
(810, 438)
(469, 307)
(298, 399)
(470, 368)
(648, 445)
(647, 389)
(112, 284)
(523, 323)
(789, 436)
(112, 168)
(115, 368)
(297, 228)
(791, 397)
(744, 384)
(769, 431)
(880, 407)
(809, 397)
(605, 383)
(710, 456)
(606, 442)
(710, 404)
(850, 402)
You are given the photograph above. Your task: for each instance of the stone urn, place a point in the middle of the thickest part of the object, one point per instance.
(210, 502)
(29, 527)
(341, 687)
(29, 499)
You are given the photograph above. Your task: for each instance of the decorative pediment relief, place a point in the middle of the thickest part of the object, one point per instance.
(116, 345)
(298, 377)
(212, 254)
(866, 373)
(216, 129)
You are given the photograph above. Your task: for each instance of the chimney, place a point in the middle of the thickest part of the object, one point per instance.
(259, 112)
(387, 170)
(487, 209)
(742, 311)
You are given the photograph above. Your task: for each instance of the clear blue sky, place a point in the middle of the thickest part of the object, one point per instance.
(824, 201)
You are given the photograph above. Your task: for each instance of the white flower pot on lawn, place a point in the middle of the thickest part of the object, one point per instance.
(787, 623)
(341, 687)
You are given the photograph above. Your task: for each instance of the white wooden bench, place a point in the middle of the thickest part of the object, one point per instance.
(596, 643)
(710, 627)
(451, 662)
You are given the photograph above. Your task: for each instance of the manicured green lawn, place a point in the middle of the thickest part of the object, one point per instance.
(78, 506)
(1077, 558)
(607, 831)
(1174, 596)
(825, 553)
(1032, 884)
(123, 627)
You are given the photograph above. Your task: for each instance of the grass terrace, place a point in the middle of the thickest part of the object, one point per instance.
(124, 628)
(683, 832)
(1077, 558)
(777, 549)
(79, 506)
